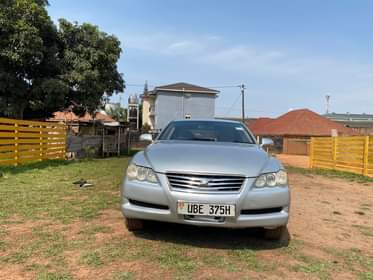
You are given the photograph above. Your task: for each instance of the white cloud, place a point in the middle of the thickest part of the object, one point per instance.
(211, 50)
(183, 48)
(302, 79)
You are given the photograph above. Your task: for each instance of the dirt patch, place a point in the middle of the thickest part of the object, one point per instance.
(294, 160)
(323, 212)
(330, 229)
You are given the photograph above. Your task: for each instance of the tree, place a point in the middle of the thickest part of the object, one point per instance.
(89, 65)
(44, 68)
(28, 62)
(117, 113)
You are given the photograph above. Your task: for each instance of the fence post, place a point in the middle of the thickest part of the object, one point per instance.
(41, 142)
(366, 155)
(64, 150)
(16, 144)
(311, 152)
(334, 142)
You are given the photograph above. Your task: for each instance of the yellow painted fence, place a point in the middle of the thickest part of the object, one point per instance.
(25, 141)
(351, 154)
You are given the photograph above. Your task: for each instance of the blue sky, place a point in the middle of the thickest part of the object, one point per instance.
(290, 54)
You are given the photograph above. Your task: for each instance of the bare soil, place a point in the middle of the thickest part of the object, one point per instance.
(330, 237)
(294, 160)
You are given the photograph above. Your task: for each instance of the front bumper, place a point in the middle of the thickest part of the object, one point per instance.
(159, 202)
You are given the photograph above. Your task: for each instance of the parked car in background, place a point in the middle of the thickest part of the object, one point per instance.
(207, 173)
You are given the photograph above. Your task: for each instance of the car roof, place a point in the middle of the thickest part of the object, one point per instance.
(208, 120)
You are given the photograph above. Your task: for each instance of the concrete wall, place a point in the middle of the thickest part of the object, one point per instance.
(171, 106)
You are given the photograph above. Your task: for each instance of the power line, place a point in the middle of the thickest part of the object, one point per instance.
(233, 104)
(135, 85)
(224, 86)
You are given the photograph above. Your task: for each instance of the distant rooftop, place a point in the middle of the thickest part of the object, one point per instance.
(68, 116)
(186, 88)
(348, 116)
(352, 120)
(302, 122)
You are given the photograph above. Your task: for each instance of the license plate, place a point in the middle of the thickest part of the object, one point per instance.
(206, 209)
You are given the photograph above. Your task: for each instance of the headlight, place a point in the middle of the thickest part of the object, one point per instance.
(141, 173)
(278, 179)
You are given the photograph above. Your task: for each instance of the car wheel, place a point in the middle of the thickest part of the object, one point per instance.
(134, 224)
(275, 233)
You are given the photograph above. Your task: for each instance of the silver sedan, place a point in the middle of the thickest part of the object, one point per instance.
(207, 173)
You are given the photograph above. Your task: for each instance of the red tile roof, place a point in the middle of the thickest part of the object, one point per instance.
(301, 122)
(256, 125)
(71, 117)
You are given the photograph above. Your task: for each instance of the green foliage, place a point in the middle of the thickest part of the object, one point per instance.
(44, 68)
(90, 151)
(118, 113)
(89, 64)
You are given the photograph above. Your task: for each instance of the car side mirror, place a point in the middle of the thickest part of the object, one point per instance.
(266, 142)
(146, 137)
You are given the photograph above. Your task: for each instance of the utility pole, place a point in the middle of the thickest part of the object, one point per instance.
(243, 101)
(327, 97)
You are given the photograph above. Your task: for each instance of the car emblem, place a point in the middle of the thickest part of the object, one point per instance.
(204, 183)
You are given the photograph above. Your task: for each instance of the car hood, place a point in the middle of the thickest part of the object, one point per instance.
(206, 157)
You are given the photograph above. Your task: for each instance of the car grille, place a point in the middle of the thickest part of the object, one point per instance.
(205, 183)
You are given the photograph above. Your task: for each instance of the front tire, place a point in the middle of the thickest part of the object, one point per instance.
(275, 233)
(134, 224)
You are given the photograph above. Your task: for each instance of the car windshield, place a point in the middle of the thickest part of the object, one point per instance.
(207, 131)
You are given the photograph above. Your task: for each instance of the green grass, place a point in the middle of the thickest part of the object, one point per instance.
(355, 256)
(53, 276)
(119, 249)
(174, 257)
(96, 229)
(331, 174)
(307, 264)
(365, 276)
(316, 267)
(38, 243)
(61, 222)
(6, 170)
(354, 260)
(3, 245)
(168, 256)
(364, 230)
(91, 259)
(250, 259)
(45, 189)
(123, 275)
(211, 259)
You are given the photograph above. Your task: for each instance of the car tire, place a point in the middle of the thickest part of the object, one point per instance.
(275, 233)
(134, 224)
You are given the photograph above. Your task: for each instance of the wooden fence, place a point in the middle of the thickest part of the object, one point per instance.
(25, 141)
(351, 154)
